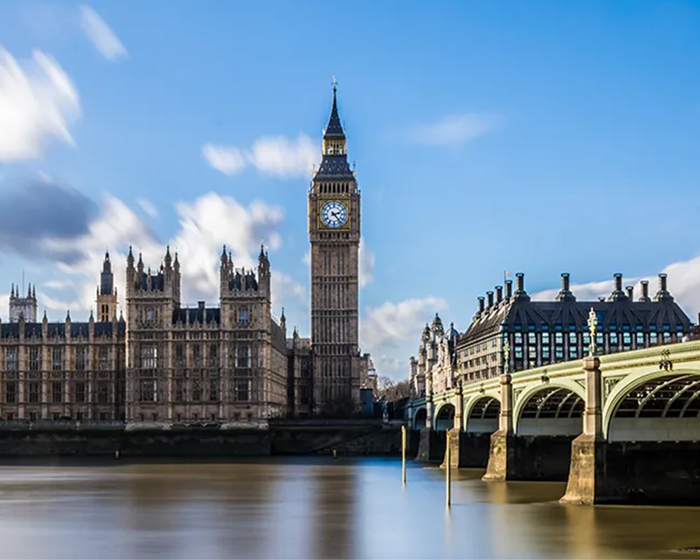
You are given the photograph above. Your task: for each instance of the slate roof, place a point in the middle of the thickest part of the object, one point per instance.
(334, 129)
(245, 281)
(334, 167)
(197, 315)
(620, 315)
(11, 330)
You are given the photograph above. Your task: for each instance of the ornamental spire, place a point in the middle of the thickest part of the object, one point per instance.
(334, 129)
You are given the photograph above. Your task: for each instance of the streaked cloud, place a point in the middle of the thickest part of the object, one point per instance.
(100, 34)
(147, 206)
(454, 129)
(366, 264)
(275, 156)
(37, 100)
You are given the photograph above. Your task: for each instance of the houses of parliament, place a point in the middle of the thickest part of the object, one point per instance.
(166, 364)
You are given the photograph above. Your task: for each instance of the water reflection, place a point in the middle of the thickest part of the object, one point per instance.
(313, 508)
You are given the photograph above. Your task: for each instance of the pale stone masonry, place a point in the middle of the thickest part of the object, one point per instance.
(222, 364)
(161, 365)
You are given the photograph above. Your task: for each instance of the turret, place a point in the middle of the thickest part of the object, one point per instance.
(106, 292)
(264, 271)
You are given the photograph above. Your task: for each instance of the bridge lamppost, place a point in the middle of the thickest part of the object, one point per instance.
(506, 357)
(592, 324)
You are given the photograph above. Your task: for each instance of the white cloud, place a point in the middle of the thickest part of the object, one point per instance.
(205, 225)
(366, 258)
(147, 206)
(290, 294)
(281, 157)
(37, 100)
(306, 259)
(100, 34)
(212, 221)
(454, 129)
(275, 156)
(391, 331)
(4, 305)
(228, 160)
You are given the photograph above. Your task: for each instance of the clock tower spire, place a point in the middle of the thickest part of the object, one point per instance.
(334, 234)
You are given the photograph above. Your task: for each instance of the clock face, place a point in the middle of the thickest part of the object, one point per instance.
(334, 214)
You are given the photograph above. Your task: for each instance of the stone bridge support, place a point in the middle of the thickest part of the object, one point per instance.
(431, 447)
(455, 435)
(586, 484)
(502, 459)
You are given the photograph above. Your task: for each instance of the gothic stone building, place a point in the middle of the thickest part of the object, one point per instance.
(221, 364)
(164, 364)
(63, 371)
(548, 332)
(435, 370)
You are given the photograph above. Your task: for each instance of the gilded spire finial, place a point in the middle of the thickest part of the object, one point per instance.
(335, 84)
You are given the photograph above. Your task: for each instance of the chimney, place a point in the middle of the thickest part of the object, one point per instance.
(489, 299)
(509, 289)
(520, 293)
(663, 293)
(200, 305)
(499, 294)
(645, 291)
(565, 293)
(617, 293)
(630, 292)
(481, 303)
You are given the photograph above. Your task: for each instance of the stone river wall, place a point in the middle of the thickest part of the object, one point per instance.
(356, 438)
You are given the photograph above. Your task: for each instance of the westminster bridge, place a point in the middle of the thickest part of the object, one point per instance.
(620, 428)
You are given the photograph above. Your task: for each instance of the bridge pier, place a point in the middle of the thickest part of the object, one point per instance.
(586, 484)
(502, 449)
(431, 447)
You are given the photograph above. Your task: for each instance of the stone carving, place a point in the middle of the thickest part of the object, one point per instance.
(608, 384)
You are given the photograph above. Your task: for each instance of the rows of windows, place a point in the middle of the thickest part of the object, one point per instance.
(54, 391)
(57, 358)
(241, 356)
(196, 390)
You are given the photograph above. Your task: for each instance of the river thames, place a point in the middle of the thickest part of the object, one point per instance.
(313, 508)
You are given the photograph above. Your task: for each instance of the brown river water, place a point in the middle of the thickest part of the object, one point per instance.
(312, 508)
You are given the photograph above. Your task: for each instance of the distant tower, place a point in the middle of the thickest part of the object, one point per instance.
(106, 293)
(23, 305)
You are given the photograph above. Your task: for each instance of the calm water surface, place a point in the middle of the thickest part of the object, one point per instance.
(315, 508)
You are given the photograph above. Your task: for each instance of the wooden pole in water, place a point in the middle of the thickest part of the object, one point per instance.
(448, 470)
(403, 454)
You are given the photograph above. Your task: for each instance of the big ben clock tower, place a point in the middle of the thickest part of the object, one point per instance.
(334, 233)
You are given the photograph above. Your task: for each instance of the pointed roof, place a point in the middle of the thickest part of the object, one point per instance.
(334, 129)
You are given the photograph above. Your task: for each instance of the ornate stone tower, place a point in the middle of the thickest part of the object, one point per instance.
(106, 293)
(23, 306)
(334, 233)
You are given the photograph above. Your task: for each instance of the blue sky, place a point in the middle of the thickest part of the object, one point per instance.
(540, 137)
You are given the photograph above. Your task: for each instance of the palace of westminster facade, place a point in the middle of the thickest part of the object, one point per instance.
(163, 364)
